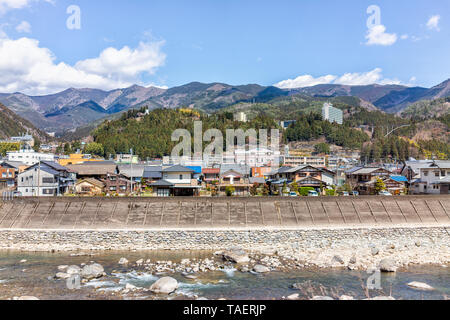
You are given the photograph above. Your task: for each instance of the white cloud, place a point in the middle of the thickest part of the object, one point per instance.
(354, 79)
(304, 81)
(377, 36)
(433, 23)
(29, 68)
(6, 5)
(24, 27)
(404, 36)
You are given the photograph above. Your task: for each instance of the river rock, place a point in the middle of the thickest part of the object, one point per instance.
(62, 275)
(28, 298)
(293, 297)
(63, 268)
(382, 298)
(164, 285)
(123, 261)
(388, 265)
(375, 251)
(236, 256)
(261, 269)
(140, 262)
(73, 270)
(420, 286)
(129, 286)
(93, 271)
(337, 259)
(322, 298)
(344, 297)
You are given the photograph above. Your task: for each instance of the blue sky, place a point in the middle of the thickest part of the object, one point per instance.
(168, 43)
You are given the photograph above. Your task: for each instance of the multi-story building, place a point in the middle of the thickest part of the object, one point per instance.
(7, 176)
(332, 114)
(240, 116)
(295, 161)
(29, 156)
(45, 179)
(434, 179)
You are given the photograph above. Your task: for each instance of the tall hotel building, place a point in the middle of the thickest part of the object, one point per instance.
(331, 114)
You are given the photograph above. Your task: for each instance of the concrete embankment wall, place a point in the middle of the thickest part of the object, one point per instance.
(212, 213)
(68, 224)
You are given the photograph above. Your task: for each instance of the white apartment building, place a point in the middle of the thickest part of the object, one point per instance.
(295, 161)
(240, 116)
(29, 157)
(332, 114)
(434, 179)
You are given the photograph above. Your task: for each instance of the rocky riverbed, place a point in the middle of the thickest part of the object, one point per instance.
(227, 274)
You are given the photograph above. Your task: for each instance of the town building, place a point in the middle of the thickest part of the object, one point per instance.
(96, 170)
(76, 158)
(362, 179)
(287, 123)
(332, 114)
(211, 175)
(240, 116)
(7, 176)
(176, 181)
(117, 184)
(89, 187)
(434, 179)
(29, 156)
(24, 139)
(295, 161)
(45, 179)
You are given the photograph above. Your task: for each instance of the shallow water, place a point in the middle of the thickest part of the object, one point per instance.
(34, 278)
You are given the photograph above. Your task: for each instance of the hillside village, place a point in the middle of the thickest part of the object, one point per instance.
(25, 172)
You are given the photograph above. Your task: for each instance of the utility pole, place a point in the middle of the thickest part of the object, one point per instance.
(39, 177)
(131, 173)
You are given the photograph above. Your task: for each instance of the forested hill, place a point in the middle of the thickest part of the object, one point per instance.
(150, 135)
(13, 125)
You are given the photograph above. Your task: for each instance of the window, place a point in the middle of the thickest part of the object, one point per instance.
(48, 191)
(181, 177)
(425, 173)
(48, 180)
(112, 178)
(437, 174)
(112, 188)
(123, 188)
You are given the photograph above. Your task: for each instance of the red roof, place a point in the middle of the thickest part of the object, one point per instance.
(211, 171)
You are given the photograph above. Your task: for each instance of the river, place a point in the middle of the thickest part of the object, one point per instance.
(34, 277)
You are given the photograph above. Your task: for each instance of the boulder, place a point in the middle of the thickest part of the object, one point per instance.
(123, 261)
(236, 256)
(344, 297)
(62, 275)
(92, 271)
(261, 269)
(73, 270)
(62, 268)
(164, 285)
(420, 286)
(388, 265)
(293, 297)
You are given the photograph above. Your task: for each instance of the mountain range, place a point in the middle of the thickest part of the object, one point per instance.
(73, 108)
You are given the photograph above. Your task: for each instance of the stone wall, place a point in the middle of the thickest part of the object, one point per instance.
(346, 238)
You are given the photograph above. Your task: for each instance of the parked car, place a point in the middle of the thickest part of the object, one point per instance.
(293, 194)
(385, 194)
(355, 193)
(345, 194)
(313, 194)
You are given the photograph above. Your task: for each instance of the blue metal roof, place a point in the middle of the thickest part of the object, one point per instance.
(197, 169)
(399, 178)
